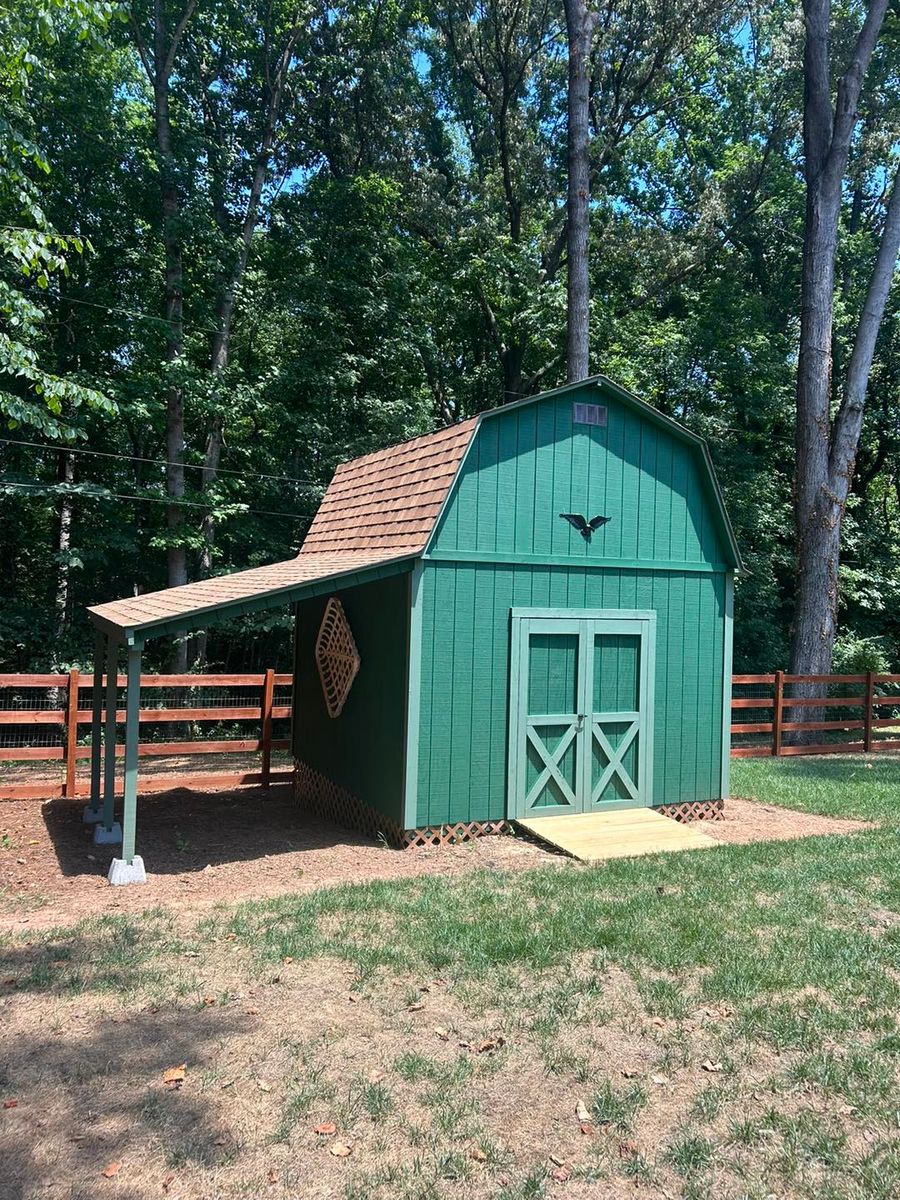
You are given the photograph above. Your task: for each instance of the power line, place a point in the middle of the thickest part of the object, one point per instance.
(162, 462)
(43, 487)
(134, 312)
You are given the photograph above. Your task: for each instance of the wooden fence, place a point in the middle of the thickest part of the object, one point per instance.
(46, 719)
(850, 705)
(55, 716)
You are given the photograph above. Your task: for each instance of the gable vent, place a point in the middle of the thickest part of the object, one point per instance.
(589, 414)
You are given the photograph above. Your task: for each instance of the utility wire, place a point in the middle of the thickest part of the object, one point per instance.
(162, 462)
(134, 312)
(44, 487)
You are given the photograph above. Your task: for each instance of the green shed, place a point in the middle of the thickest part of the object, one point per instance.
(523, 615)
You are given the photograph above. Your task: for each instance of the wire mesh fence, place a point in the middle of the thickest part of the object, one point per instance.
(189, 725)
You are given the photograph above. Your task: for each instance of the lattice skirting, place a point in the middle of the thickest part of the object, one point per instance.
(318, 794)
(694, 810)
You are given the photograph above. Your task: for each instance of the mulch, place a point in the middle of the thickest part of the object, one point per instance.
(206, 848)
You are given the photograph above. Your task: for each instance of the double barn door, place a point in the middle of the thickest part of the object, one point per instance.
(581, 700)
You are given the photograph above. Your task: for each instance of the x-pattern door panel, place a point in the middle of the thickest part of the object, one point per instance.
(581, 711)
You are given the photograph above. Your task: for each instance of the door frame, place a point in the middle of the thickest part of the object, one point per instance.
(520, 628)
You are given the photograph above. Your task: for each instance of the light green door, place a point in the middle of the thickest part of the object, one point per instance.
(581, 711)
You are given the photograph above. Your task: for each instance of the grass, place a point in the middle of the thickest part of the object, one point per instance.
(728, 1017)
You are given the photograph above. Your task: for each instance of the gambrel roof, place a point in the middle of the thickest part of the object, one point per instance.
(377, 516)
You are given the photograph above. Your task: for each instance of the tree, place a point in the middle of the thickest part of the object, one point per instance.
(580, 21)
(827, 447)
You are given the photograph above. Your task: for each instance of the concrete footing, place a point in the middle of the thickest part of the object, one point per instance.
(122, 872)
(91, 816)
(107, 837)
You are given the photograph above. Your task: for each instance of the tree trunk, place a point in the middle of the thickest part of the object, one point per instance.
(826, 453)
(66, 475)
(580, 27)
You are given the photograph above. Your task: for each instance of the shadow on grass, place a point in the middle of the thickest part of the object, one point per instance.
(90, 1092)
(862, 786)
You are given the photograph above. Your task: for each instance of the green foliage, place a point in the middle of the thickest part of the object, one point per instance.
(407, 270)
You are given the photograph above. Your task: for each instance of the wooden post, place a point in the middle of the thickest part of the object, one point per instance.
(71, 733)
(870, 705)
(109, 739)
(132, 733)
(96, 720)
(777, 707)
(266, 731)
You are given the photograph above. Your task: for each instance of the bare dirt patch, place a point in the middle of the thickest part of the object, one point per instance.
(203, 849)
(747, 821)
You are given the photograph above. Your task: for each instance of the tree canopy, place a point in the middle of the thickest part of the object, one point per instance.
(242, 243)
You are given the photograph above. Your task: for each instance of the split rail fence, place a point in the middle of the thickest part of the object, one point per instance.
(46, 719)
(857, 714)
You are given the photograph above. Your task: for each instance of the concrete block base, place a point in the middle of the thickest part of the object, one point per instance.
(107, 837)
(91, 816)
(122, 872)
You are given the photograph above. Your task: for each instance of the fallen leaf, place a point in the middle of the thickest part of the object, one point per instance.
(709, 1065)
(630, 1073)
(272, 1176)
(252, 1012)
(587, 1128)
(581, 1111)
(627, 1149)
(209, 1000)
(415, 1007)
(489, 1045)
(167, 1182)
(556, 1160)
(657, 1021)
(340, 1149)
(326, 1129)
(111, 1170)
(263, 1086)
(174, 1076)
(442, 1033)
(477, 1154)
(660, 1080)
(228, 1083)
(561, 1174)
(287, 959)
(10, 1104)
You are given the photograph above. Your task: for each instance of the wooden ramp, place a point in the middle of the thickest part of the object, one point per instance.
(623, 833)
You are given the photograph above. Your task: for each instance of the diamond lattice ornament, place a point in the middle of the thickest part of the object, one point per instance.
(336, 657)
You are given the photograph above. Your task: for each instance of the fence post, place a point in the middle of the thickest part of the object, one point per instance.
(777, 713)
(266, 731)
(870, 704)
(71, 733)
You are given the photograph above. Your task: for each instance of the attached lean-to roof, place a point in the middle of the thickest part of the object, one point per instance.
(376, 516)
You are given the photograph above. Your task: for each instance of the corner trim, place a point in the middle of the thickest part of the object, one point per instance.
(413, 698)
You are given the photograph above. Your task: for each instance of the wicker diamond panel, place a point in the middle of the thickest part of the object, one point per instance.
(336, 657)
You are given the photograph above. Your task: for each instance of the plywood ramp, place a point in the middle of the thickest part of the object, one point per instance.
(623, 833)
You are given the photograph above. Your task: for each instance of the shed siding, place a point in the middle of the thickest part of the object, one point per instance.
(463, 723)
(363, 749)
(529, 464)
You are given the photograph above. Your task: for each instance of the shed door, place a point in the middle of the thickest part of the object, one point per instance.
(581, 712)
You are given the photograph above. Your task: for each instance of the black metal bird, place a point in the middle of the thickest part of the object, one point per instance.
(584, 527)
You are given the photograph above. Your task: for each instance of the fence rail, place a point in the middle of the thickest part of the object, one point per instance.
(42, 717)
(848, 704)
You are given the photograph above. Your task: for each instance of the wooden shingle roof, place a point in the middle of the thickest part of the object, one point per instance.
(391, 499)
(378, 512)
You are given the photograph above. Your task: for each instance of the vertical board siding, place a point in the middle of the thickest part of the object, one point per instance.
(465, 686)
(362, 749)
(532, 463)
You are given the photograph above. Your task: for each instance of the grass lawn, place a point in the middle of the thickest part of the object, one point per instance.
(717, 1023)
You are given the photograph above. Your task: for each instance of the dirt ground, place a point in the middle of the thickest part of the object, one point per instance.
(203, 849)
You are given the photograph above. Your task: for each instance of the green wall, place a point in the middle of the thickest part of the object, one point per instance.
(363, 749)
(464, 706)
(502, 544)
(531, 463)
